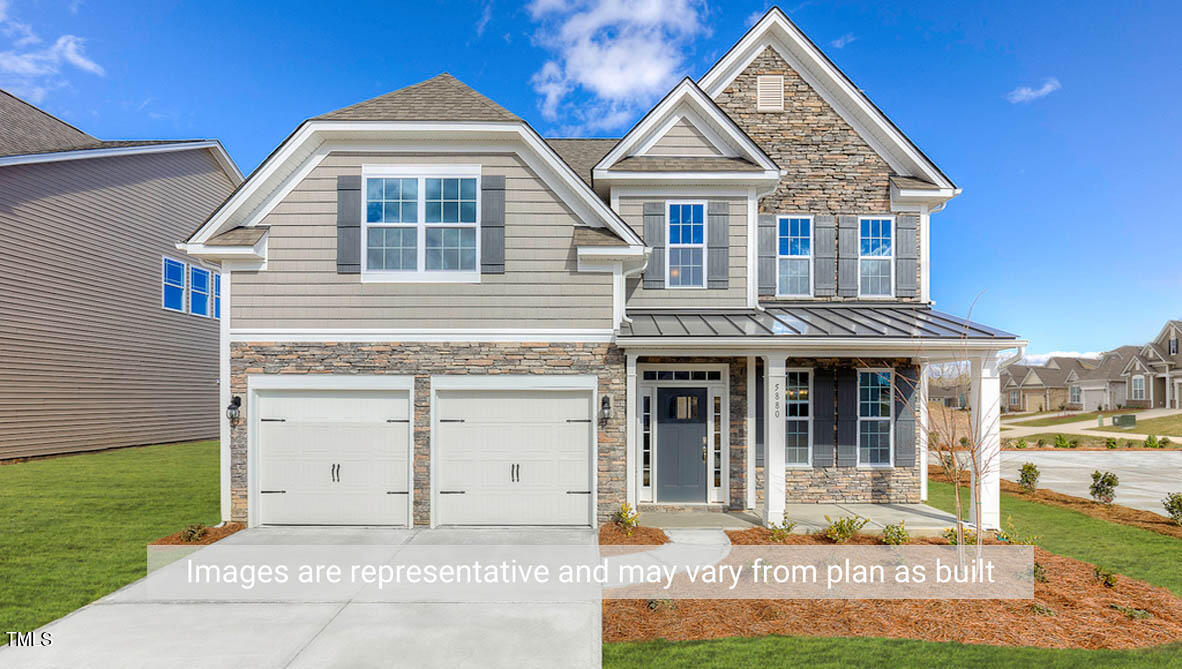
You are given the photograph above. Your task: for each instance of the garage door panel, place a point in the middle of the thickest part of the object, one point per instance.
(515, 455)
(333, 457)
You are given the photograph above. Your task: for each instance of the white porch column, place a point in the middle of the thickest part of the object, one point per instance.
(631, 416)
(224, 395)
(752, 438)
(773, 456)
(986, 403)
(921, 439)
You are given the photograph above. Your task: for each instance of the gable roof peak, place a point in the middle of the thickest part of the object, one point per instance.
(440, 98)
(30, 129)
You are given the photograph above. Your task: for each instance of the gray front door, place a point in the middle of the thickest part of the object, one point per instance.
(681, 438)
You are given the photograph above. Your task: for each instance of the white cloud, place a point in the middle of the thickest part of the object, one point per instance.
(754, 18)
(485, 17)
(1041, 358)
(1028, 94)
(32, 72)
(842, 41)
(624, 54)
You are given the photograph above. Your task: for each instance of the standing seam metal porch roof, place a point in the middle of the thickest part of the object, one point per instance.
(810, 320)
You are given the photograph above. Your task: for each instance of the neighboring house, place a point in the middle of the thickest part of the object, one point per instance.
(1042, 387)
(110, 334)
(1154, 372)
(952, 391)
(1102, 386)
(1011, 387)
(437, 317)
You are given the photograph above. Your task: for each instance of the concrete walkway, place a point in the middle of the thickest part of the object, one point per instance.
(125, 632)
(1145, 476)
(1013, 430)
(919, 519)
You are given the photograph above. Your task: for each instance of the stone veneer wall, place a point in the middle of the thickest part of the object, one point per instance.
(830, 168)
(426, 359)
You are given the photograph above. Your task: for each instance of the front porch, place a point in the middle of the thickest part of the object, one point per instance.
(920, 520)
(832, 396)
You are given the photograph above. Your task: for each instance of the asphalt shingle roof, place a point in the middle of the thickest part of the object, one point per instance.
(26, 129)
(587, 236)
(684, 164)
(440, 98)
(582, 154)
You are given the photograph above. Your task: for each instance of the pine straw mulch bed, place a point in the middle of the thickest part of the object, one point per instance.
(1146, 520)
(611, 534)
(1083, 614)
(212, 534)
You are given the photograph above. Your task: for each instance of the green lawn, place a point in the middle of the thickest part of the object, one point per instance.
(1166, 425)
(1057, 419)
(777, 651)
(1049, 439)
(73, 529)
(1134, 552)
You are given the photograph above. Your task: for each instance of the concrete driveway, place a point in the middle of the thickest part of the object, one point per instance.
(122, 630)
(1015, 429)
(1146, 477)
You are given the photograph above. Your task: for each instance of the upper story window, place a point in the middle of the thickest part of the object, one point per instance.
(421, 223)
(798, 430)
(795, 256)
(769, 92)
(1074, 394)
(173, 277)
(875, 412)
(876, 257)
(1173, 346)
(1138, 388)
(217, 295)
(199, 291)
(687, 245)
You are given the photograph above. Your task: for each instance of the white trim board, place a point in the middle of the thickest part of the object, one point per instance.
(219, 153)
(420, 335)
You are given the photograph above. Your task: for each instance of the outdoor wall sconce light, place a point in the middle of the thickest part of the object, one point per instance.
(233, 412)
(605, 408)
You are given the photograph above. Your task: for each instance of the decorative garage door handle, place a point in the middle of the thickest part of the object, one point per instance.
(334, 473)
(273, 492)
(452, 492)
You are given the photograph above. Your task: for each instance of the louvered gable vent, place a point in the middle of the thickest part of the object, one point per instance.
(770, 92)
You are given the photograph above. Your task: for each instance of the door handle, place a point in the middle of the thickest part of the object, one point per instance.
(703, 454)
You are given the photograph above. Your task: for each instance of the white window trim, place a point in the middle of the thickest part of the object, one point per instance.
(1172, 346)
(891, 258)
(1015, 398)
(797, 465)
(184, 289)
(215, 295)
(759, 103)
(1133, 395)
(809, 257)
(1075, 395)
(669, 246)
(890, 463)
(208, 294)
(422, 274)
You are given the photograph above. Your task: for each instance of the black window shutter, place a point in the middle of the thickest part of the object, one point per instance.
(906, 392)
(349, 224)
(766, 266)
(907, 256)
(825, 255)
(847, 256)
(847, 417)
(654, 238)
(492, 224)
(823, 418)
(718, 245)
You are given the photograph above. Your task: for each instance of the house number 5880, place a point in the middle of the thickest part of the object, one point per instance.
(776, 393)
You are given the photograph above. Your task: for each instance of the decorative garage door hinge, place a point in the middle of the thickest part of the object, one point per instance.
(397, 420)
(578, 492)
(578, 420)
(397, 492)
(452, 492)
(273, 420)
(451, 420)
(272, 492)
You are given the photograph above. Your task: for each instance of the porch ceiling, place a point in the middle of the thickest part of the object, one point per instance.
(811, 322)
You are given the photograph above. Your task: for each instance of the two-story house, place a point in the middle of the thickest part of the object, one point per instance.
(110, 334)
(1154, 372)
(435, 316)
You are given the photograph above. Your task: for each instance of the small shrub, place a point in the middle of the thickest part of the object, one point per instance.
(895, 534)
(1173, 504)
(193, 533)
(1061, 441)
(1110, 442)
(1040, 573)
(626, 518)
(1042, 443)
(782, 531)
(1130, 444)
(1151, 442)
(843, 529)
(1103, 488)
(1074, 443)
(1164, 442)
(970, 537)
(1028, 477)
(654, 604)
(1021, 444)
(1062, 407)
(1041, 609)
(1131, 613)
(1011, 535)
(1105, 577)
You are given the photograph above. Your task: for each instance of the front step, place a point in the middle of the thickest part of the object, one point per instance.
(718, 507)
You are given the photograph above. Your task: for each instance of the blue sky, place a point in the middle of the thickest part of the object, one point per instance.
(1058, 119)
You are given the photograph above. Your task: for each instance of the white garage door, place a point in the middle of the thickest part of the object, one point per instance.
(333, 457)
(1092, 399)
(513, 457)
